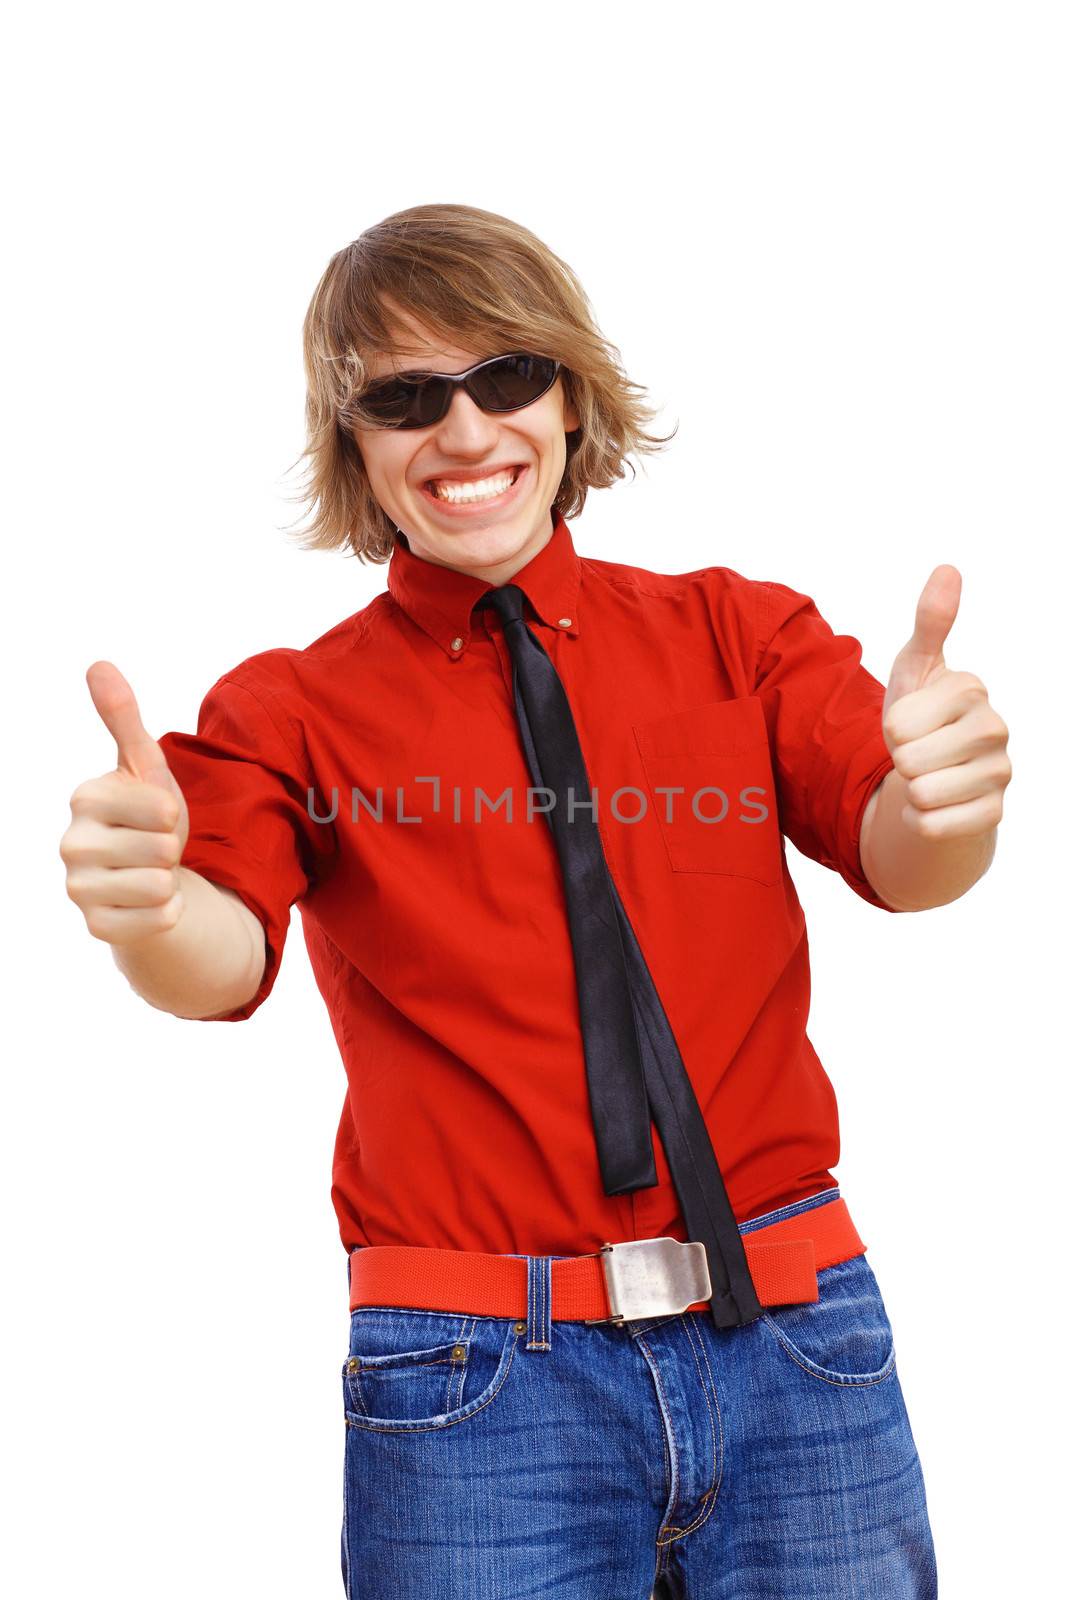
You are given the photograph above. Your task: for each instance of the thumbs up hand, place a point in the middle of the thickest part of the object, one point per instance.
(946, 740)
(129, 827)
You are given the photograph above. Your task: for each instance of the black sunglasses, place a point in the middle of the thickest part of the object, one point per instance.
(418, 400)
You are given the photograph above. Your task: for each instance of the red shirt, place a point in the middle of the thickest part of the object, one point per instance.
(441, 945)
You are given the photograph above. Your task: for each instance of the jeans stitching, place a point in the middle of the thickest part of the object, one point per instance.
(672, 1476)
(863, 1380)
(538, 1302)
(795, 1209)
(712, 1494)
(346, 1532)
(403, 1427)
(839, 1380)
(458, 1374)
(424, 1311)
(636, 1333)
(720, 1441)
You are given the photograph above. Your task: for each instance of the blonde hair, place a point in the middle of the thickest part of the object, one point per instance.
(494, 287)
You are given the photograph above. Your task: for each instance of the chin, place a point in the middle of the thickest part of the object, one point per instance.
(498, 540)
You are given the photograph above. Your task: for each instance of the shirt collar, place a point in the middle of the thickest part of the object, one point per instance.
(440, 599)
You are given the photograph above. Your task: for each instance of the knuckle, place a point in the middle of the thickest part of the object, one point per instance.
(169, 810)
(89, 797)
(74, 849)
(927, 824)
(161, 883)
(76, 887)
(921, 792)
(137, 887)
(170, 913)
(171, 847)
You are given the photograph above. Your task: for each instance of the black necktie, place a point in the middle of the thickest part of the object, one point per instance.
(632, 1060)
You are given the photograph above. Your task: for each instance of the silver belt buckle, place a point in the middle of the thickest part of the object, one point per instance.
(653, 1278)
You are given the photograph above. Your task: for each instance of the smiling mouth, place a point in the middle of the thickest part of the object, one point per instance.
(471, 492)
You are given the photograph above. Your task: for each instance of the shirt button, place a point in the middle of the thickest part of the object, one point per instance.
(564, 622)
(457, 644)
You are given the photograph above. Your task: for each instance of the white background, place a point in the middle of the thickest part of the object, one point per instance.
(829, 239)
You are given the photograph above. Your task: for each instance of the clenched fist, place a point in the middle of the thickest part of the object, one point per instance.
(128, 829)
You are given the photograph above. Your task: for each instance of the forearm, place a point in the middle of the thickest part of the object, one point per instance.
(209, 963)
(909, 871)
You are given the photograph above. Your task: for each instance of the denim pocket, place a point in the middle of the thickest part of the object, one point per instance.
(725, 819)
(409, 1370)
(845, 1336)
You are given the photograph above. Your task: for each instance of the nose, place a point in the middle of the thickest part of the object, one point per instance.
(465, 429)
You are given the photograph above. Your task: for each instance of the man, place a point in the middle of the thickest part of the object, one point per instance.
(612, 1326)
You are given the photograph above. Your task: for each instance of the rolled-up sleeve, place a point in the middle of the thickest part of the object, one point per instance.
(823, 711)
(245, 780)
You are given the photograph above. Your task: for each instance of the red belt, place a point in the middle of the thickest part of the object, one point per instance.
(783, 1258)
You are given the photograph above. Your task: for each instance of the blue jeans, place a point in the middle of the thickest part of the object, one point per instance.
(662, 1457)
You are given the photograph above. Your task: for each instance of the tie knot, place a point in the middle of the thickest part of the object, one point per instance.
(507, 600)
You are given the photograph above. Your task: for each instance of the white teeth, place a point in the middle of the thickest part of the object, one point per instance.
(481, 489)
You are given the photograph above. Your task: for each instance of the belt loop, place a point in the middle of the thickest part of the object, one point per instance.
(538, 1302)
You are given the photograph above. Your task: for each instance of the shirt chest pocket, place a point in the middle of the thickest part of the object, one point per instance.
(711, 784)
